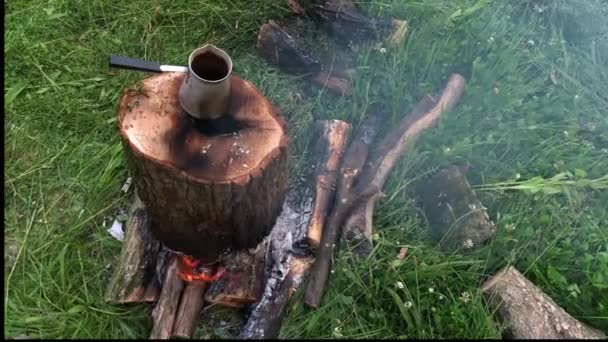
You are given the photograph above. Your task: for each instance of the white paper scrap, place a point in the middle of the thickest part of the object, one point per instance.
(116, 230)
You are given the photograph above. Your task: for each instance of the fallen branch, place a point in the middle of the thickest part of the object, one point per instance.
(280, 49)
(528, 313)
(289, 259)
(133, 280)
(375, 173)
(331, 141)
(164, 312)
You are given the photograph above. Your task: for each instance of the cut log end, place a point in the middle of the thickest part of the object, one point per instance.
(528, 313)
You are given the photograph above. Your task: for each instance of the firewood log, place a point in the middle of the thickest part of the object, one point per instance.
(528, 313)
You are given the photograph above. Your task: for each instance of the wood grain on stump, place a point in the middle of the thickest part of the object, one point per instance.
(209, 187)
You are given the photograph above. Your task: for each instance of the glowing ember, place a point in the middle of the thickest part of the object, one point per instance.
(191, 270)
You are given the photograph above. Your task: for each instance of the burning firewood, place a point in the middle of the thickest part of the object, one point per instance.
(134, 280)
(281, 49)
(374, 175)
(347, 25)
(528, 313)
(243, 282)
(457, 219)
(289, 259)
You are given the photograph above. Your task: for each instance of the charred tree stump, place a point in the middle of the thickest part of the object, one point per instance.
(281, 49)
(375, 174)
(289, 251)
(134, 277)
(331, 141)
(457, 219)
(528, 313)
(209, 186)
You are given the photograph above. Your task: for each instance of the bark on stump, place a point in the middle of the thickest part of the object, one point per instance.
(456, 217)
(528, 313)
(209, 187)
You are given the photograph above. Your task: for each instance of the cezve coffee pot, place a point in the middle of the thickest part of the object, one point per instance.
(205, 90)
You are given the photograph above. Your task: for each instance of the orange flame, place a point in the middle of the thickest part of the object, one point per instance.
(191, 271)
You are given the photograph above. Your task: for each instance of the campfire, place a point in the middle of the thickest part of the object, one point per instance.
(215, 220)
(193, 270)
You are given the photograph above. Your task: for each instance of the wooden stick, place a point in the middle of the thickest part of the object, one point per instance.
(330, 145)
(357, 228)
(164, 312)
(528, 313)
(190, 306)
(375, 174)
(133, 280)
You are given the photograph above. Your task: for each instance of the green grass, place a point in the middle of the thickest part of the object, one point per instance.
(530, 110)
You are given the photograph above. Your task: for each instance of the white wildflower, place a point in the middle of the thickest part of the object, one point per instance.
(433, 309)
(376, 236)
(510, 227)
(431, 290)
(447, 150)
(576, 97)
(517, 176)
(465, 297)
(491, 40)
(566, 133)
(531, 42)
(604, 150)
(399, 285)
(468, 243)
(441, 297)
(338, 332)
(382, 50)
(408, 305)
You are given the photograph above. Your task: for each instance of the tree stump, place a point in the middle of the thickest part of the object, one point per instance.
(209, 186)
